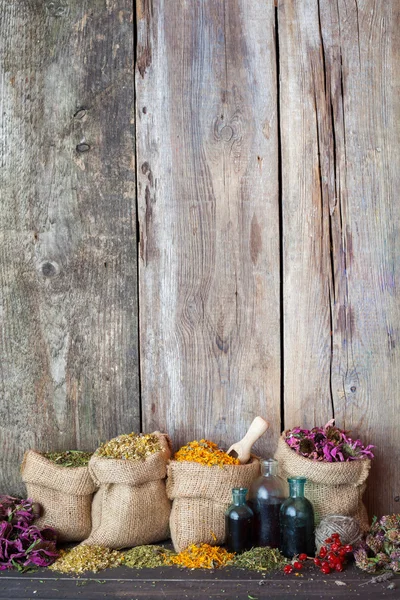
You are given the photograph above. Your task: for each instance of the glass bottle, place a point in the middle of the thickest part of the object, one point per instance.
(266, 496)
(297, 521)
(239, 522)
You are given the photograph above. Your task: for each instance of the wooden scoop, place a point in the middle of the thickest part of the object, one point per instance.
(241, 450)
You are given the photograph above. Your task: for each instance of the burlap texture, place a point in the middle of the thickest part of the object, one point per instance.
(131, 507)
(64, 493)
(333, 488)
(201, 494)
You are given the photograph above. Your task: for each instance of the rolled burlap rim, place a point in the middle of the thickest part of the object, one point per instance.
(40, 471)
(132, 472)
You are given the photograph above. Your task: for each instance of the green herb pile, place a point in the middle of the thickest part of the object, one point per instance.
(146, 557)
(259, 559)
(69, 458)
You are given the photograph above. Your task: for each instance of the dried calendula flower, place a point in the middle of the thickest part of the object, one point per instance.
(69, 458)
(147, 556)
(202, 556)
(130, 446)
(87, 558)
(205, 453)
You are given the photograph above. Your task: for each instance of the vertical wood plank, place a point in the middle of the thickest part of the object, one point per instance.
(68, 309)
(208, 214)
(341, 219)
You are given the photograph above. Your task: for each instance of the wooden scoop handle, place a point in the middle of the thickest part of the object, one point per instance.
(255, 431)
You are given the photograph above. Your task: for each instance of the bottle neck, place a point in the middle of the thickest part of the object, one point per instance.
(269, 468)
(296, 487)
(239, 496)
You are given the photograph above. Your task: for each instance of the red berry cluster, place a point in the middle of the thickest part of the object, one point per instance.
(331, 557)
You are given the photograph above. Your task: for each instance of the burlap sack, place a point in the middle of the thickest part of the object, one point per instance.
(64, 493)
(131, 507)
(201, 494)
(333, 488)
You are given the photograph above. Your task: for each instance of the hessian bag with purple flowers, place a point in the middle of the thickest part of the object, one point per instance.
(333, 488)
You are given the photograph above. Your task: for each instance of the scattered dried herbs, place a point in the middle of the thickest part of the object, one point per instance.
(22, 545)
(328, 443)
(381, 548)
(87, 558)
(202, 556)
(205, 453)
(69, 458)
(130, 446)
(147, 556)
(260, 559)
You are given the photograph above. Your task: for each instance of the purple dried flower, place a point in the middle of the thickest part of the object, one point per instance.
(328, 443)
(375, 543)
(23, 545)
(363, 562)
(395, 566)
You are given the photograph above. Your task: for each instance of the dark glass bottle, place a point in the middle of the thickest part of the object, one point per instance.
(239, 522)
(266, 496)
(297, 521)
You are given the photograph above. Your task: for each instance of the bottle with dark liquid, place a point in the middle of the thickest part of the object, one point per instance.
(297, 521)
(239, 523)
(266, 496)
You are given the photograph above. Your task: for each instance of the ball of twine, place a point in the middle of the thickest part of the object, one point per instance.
(347, 527)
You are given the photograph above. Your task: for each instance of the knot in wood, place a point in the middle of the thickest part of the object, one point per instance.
(224, 131)
(57, 8)
(83, 147)
(227, 133)
(49, 268)
(80, 113)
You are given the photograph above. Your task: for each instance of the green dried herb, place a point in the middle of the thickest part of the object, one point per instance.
(87, 558)
(146, 556)
(69, 458)
(259, 559)
(130, 446)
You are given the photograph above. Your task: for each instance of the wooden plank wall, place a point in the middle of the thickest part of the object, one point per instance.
(267, 158)
(208, 218)
(68, 308)
(339, 65)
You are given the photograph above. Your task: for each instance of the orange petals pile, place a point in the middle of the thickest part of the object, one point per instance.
(205, 453)
(202, 556)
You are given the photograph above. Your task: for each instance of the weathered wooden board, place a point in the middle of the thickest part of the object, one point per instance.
(207, 171)
(68, 306)
(340, 114)
(179, 584)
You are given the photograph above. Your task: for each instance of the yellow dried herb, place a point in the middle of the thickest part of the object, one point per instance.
(130, 446)
(202, 556)
(87, 558)
(205, 453)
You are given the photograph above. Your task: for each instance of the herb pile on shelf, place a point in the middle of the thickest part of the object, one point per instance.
(69, 458)
(328, 443)
(147, 556)
(201, 556)
(23, 545)
(87, 558)
(130, 446)
(205, 453)
(261, 559)
(381, 548)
